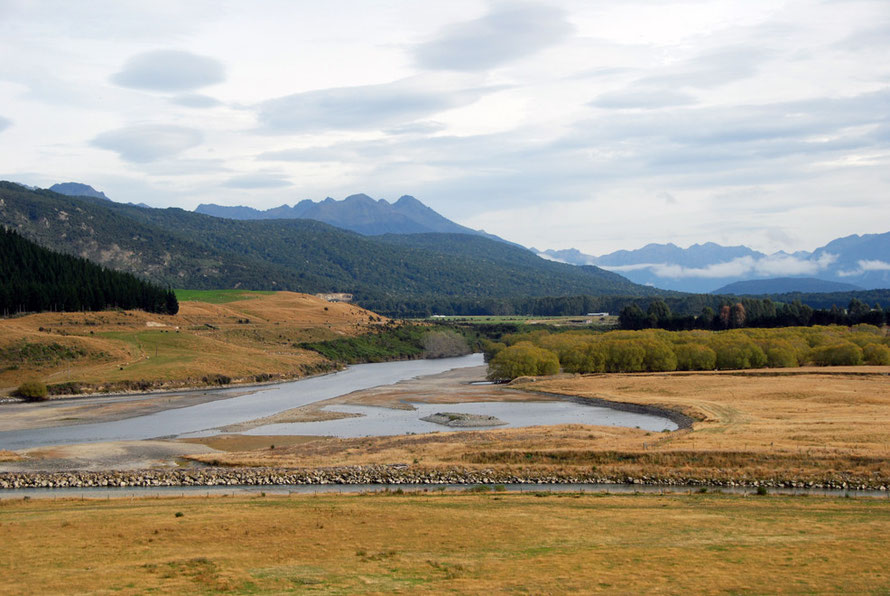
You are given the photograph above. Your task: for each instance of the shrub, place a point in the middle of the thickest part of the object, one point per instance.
(33, 390)
(522, 359)
(443, 344)
(839, 354)
(588, 358)
(876, 354)
(737, 352)
(624, 355)
(780, 357)
(659, 356)
(695, 357)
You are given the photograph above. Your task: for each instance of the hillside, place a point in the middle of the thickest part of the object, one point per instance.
(783, 285)
(186, 249)
(237, 337)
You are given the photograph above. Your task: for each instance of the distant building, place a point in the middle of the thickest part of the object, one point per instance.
(336, 297)
(597, 314)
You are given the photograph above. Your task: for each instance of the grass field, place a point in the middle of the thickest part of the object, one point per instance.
(570, 321)
(454, 543)
(218, 296)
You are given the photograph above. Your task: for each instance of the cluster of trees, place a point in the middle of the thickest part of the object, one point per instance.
(749, 312)
(543, 352)
(36, 279)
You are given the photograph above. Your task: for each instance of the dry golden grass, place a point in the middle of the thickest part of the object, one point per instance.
(465, 543)
(807, 427)
(237, 339)
(6, 456)
(772, 413)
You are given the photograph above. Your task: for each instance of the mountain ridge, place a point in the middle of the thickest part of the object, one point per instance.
(785, 285)
(859, 260)
(191, 250)
(357, 213)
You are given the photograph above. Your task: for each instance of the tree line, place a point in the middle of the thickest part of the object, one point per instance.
(36, 279)
(686, 305)
(543, 352)
(749, 312)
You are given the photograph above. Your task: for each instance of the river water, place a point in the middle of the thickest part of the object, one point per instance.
(204, 419)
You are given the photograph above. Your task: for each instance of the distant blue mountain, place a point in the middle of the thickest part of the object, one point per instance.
(358, 213)
(76, 189)
(785, 285)
(857, 261)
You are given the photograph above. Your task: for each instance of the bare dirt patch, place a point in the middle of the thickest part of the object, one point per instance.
(116, 455)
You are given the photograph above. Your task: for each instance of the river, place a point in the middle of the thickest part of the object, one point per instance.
(205, 418)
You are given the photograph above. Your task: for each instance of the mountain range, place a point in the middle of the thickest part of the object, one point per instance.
(356, 213)
(845, 264)
(854, 261)
(184, 249)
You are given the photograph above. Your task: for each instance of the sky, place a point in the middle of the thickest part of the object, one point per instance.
(595, 125)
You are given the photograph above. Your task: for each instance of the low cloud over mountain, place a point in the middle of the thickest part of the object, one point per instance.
(859, 260)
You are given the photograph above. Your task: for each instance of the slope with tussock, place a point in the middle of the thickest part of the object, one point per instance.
(248, 339)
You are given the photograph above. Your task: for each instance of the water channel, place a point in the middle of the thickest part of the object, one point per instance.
(237, 405)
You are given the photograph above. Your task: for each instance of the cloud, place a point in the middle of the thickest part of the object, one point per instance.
(509, 32)
(713, 69)
(169, 70)
(307, 154)
(196, 100)
(4, 123)
(360, 108)
(865, 266)
(874, 265)
(258, 181)
(777, 265)
(416, 128)
(146, 143)
(667, 197)
(642, 98)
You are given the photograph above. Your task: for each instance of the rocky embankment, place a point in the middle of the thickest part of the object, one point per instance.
(382, 474)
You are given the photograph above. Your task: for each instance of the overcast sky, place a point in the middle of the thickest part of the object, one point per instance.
(598, 125)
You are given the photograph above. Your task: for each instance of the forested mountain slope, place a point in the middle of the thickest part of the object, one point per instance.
(34, 279)
(187, 249)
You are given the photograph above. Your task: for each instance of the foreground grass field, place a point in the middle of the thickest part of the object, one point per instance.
(464, 543)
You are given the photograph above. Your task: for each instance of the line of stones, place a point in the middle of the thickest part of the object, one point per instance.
(380, 474)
